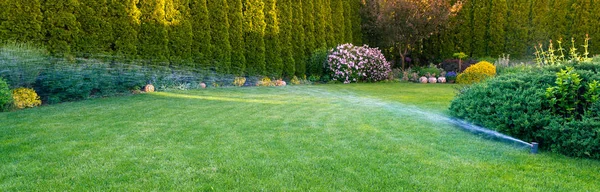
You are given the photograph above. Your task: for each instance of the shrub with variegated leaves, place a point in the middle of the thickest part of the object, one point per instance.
(349, 63)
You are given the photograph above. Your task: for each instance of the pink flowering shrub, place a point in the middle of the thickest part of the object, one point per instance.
(349, 63)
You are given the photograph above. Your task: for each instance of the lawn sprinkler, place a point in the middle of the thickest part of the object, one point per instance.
(534, 148)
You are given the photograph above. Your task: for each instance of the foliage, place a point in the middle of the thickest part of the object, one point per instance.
(219, 24)
(451, 75)
(295, 81)
(6, 98)
(274, 62)
(299, 39)
(265, 82)
(453, 64)
(236, 37)
(349, 63)
(477, 73)
(405, 23)
(239, 81)
(317, 64)
(539, 104)
(286, 40)
(254, 31)
(201, 41)
(25, 98)
(431, 71)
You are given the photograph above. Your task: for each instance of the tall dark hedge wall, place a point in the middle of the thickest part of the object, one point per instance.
(242, 37)
(492, 27)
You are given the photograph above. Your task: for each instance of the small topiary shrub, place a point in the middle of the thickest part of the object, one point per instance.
(25, 98)
(477, 73)
(5, 95)
(349, 63)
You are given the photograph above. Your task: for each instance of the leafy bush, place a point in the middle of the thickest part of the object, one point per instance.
(451, 75)
(317, 63)
(25, 97)
(239, 81)
(265, 82)
(349, 63)
(477, 73)
(527, 105)
(431, 70)
(5, 95)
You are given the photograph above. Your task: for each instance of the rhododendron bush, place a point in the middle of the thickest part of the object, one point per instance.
(349, 63)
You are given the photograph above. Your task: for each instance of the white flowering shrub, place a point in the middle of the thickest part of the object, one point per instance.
(349, 63)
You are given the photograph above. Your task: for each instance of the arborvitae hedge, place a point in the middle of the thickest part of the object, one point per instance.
(60, 26)
(236, 37)
(219, 24)
(338, 21)
(201, 41)
(299, 55)
(180, 32)
(21, 20)
(320, 25)
(274, 63)
(285, 36)
(153, 35)
(254, 32)
(229, 38)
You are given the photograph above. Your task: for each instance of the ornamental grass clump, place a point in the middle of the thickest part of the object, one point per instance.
(349, 63)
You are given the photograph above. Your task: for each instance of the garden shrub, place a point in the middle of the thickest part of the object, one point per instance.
(317, 62)
(452, 64)
(6, 99)
(349, 63)
(527, 105)
(432, 70)
(25, 98)
(21, 63)
(477, 73)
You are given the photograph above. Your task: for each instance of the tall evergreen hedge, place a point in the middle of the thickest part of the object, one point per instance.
(219, 24)
(236, 37)
(201, 37)
(153, 36)
(60, 25)
(125, 20)
(254, 32)
(274, 63)
(180, 32)
(299, 38)
(285, 36)
(21, 20)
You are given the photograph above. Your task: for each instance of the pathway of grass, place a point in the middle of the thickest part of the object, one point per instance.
(319, 138)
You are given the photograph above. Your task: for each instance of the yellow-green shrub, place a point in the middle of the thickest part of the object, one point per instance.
(25, 97)
(477, 73)
(266, 82)
(239, 81)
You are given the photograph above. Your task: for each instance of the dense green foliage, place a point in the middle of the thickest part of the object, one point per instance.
(550, 106)
(317, 63)
(241, 37)
(6, 98)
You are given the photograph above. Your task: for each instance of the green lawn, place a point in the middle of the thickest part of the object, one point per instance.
(359, 137)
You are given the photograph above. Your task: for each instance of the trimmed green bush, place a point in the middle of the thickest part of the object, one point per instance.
(518, 104)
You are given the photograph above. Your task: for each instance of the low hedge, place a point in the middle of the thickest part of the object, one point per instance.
(516, 104)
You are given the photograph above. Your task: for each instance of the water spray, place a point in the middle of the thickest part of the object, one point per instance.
(534, 148)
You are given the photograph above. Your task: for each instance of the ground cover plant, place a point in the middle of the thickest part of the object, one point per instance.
(364, 137)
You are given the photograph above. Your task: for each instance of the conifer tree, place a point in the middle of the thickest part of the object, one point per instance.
(348, 21)
(219, 24)
(357, 34)
(236, 37)
(201, 37)
(153, 35)
(254, 32)
(495, 28)
(309, 25)
(285, 13)
(558, 19)
(481, 18)
(320, 25)
(96, 27)
(338, 21)
(60, 26)
(180, 32)
(21, 20)
(595, 27)
(516, 28)
(539, 25)
(300, 56)
(274, 63)
(329, 30)
(579, 22)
